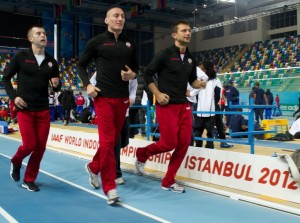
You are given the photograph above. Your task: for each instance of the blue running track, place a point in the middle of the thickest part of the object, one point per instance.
(66, 196)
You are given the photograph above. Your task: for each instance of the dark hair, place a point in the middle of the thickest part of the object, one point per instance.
(257, 84)
(175, 25)
(113, 7)
(209, 69)
(34, 26)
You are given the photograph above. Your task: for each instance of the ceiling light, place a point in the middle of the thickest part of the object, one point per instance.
(232, 1)
(246, 18)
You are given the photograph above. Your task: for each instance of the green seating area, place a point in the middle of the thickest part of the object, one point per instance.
(274, 63)
(283, 79)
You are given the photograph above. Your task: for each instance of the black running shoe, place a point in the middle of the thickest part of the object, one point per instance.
(15, 172)
(31, 186)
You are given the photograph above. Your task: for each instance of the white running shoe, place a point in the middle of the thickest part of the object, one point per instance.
(112, 197)
(175, 188)
(93, 178)
(119, 181)
(140, 167)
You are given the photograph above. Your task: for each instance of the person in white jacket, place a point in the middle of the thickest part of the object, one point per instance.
(207, 98)
(192, 97)
(295, 128)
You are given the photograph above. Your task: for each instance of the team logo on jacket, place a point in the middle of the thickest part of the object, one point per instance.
(29, 61)
(190, 60)
(108, 44)
(128, 44)
(50, 64)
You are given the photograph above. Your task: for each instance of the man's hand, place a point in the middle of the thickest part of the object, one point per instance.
(199, 84)
(92, 91)
(20, 103)
(55, 81)
(188, 93)
(127, 74)
(162, 98)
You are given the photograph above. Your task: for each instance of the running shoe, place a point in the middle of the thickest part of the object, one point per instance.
(15, 172)
(174, 188)
(112, 197)
(93, 178)
(31, 186)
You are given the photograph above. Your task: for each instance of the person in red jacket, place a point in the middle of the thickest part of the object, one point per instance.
(79, 103)
(4, 113)
(12, 111)
(277, 111)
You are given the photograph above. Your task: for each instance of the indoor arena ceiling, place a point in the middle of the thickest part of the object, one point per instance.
(151, 12)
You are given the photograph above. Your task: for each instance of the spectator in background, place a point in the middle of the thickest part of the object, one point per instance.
(238, 124)
(298, 110)
(268, 112)
(134, 111)
(52, 106)
(207, 99)
(232, 97)
(220, 101)
(4, 113)
(58, 105)
(68, 103)
(12, 112)
(90, 105)
(295, 128)
(85, 116)
(223, 101)
(147, 96)
(251, 94)
(277, 111)
(192, 96)
(142, 113)
(125, 133)
(3, 102)
(260, 98)
(79, 103)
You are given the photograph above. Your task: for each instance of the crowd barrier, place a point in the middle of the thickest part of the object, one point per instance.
(250, 133)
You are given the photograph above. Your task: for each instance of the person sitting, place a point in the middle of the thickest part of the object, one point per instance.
(238, 124)
(295, 128)
(85, 116)
(4, 114)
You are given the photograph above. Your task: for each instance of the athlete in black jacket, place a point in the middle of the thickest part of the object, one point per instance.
(175, 67)
(35, 69)
(115, 58)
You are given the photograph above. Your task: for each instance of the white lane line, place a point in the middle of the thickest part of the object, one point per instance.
(99, 195)
(231, 195)
(7, 216)
(104, 197)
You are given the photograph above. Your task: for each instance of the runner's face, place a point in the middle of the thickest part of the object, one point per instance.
(183, 34)
(115, 20)
(37, 36)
